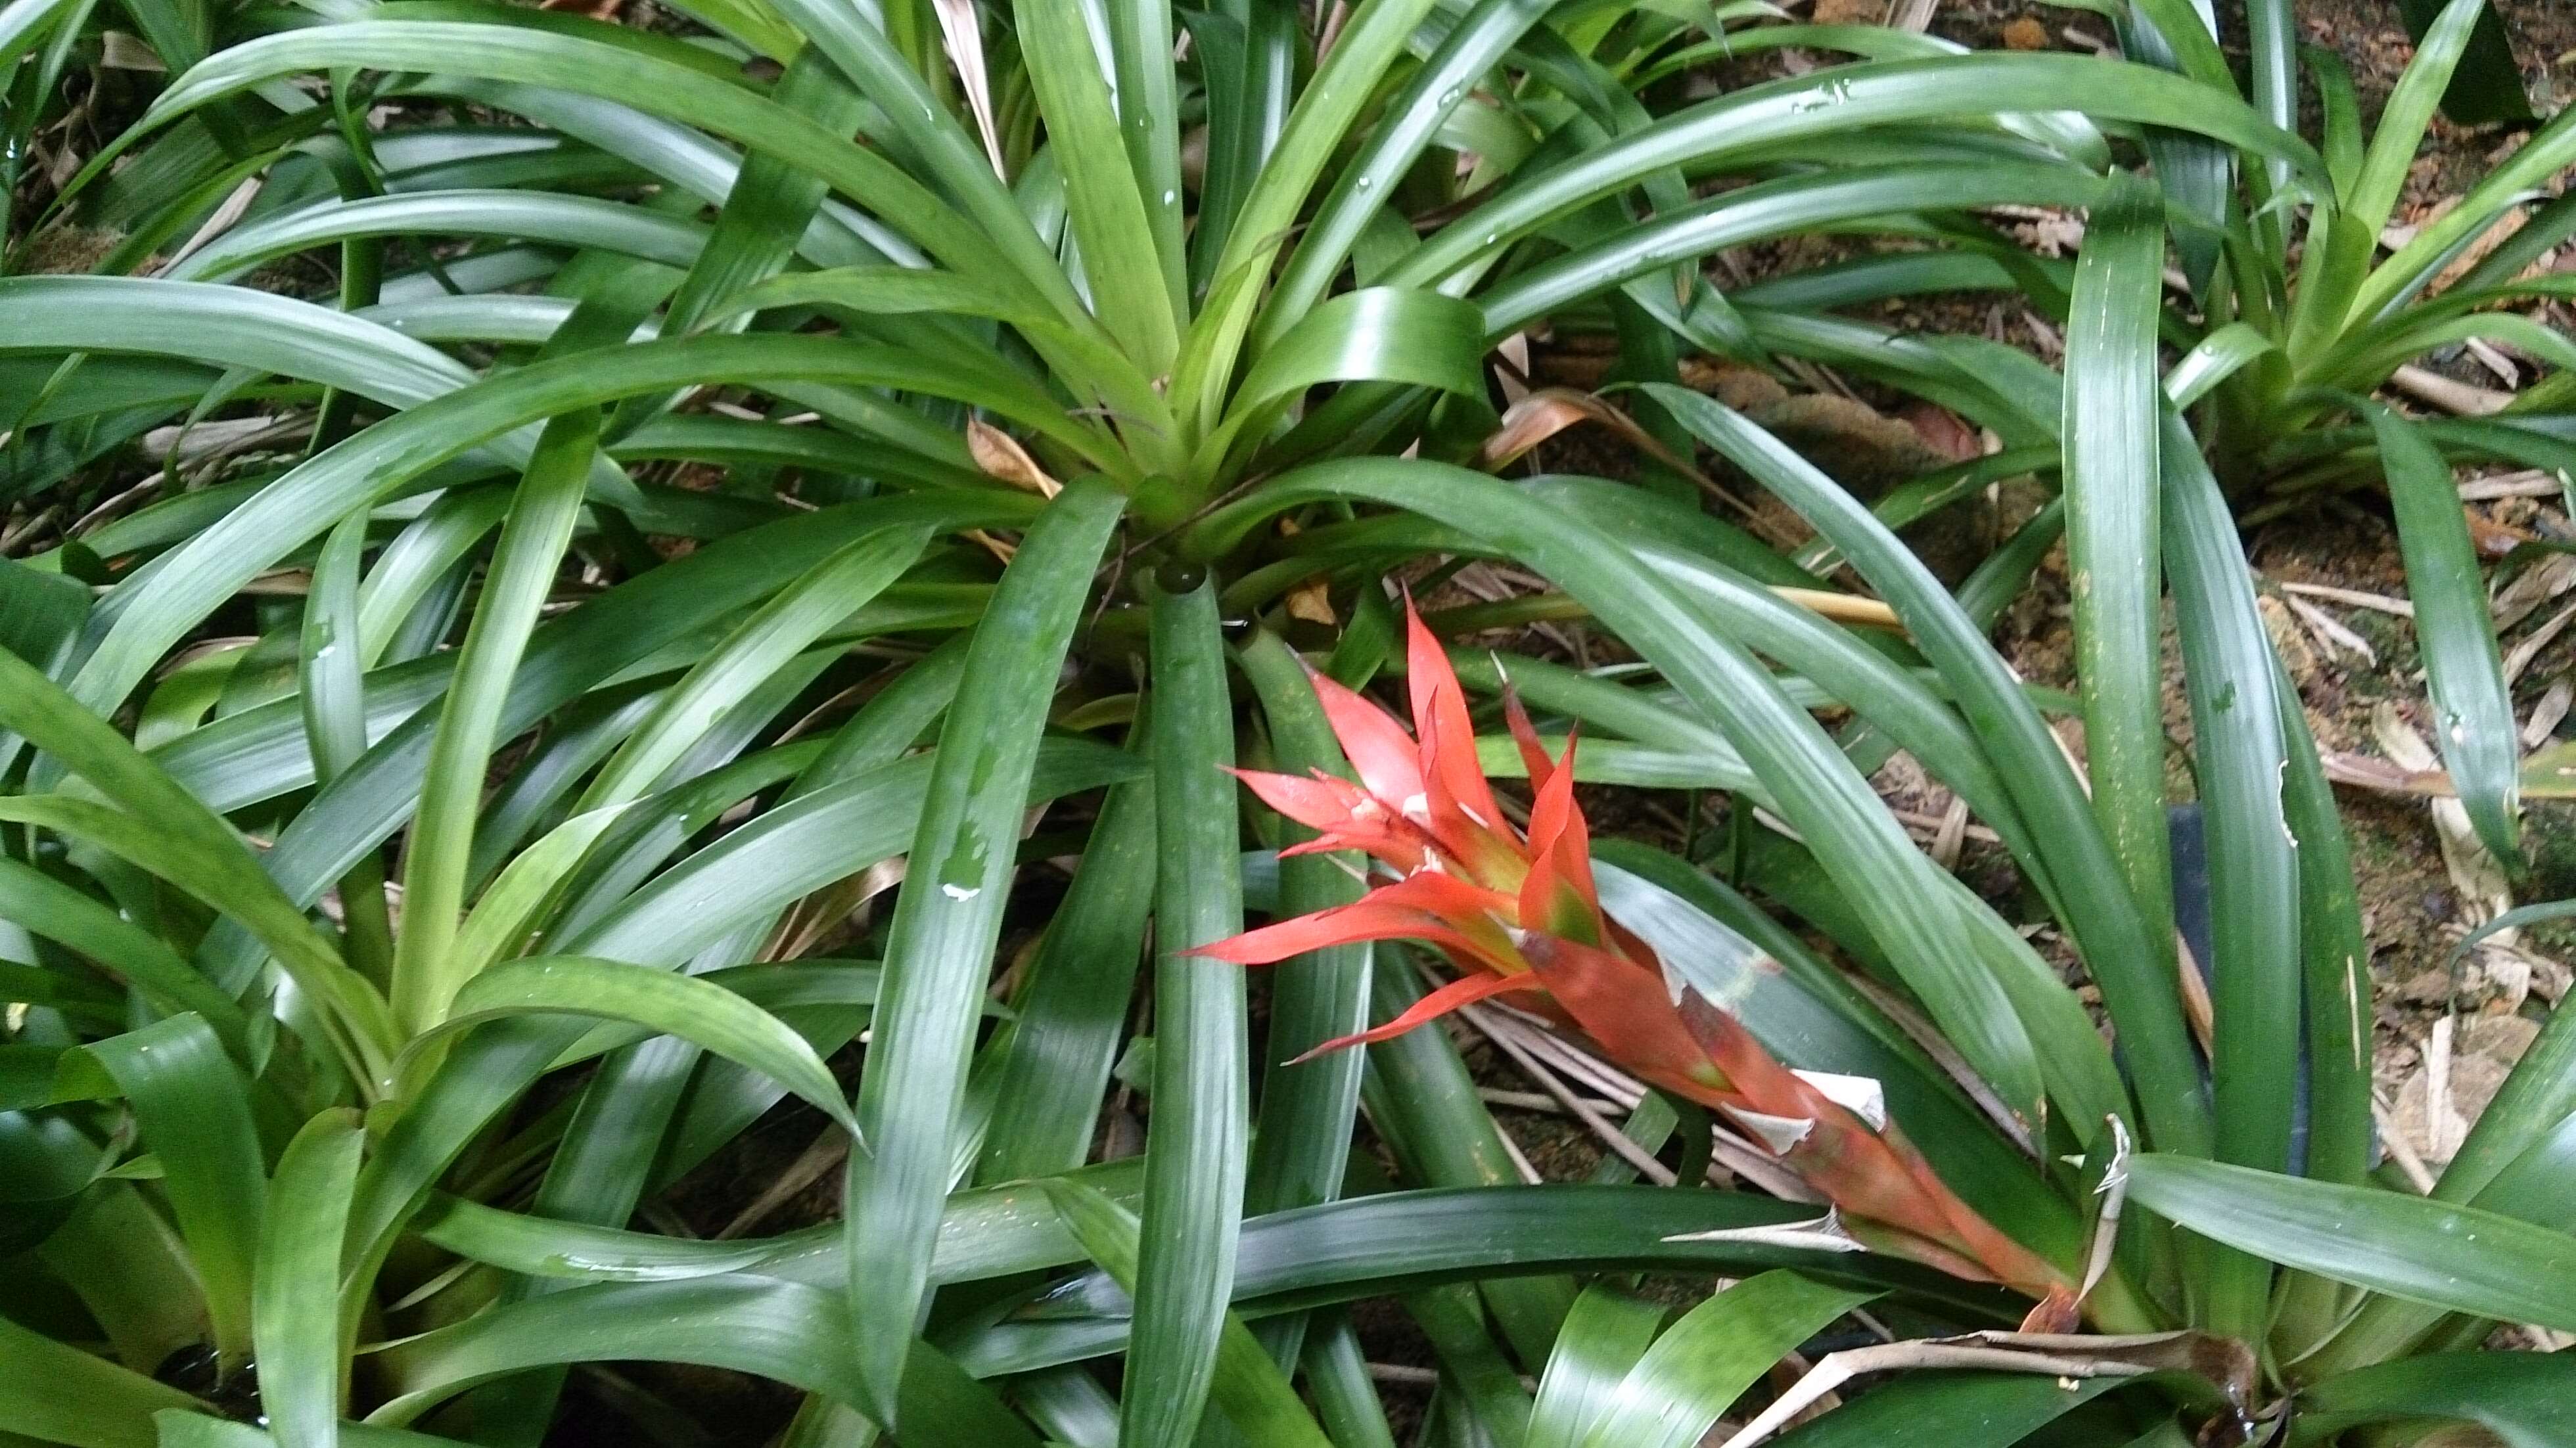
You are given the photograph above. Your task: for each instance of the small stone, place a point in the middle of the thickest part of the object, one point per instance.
(2025, 33)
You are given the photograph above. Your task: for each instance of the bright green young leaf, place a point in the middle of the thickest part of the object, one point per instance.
(685, 1006)
(295, 1293)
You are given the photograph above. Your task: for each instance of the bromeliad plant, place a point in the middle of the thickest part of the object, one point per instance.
(2302, 323)
(2291, 323)
(474, 702)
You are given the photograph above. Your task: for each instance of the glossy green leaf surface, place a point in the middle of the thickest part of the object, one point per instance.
(947, 917)
(2424, 1251)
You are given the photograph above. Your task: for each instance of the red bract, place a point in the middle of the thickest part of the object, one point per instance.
(1520, 913)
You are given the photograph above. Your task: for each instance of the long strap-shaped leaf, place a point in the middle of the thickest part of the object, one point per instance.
(2544, 155)
(334, 706)
(1400, 1241)
(770, 207)
(1195, 1142)
(2327, 290)
(942, 148)
(532, 546)
(1956, 1410)
(2473, 721)
(56, 1393)
(193, 1107)
(1302, 1142)
(1849, 98)
(1374, 39)
(683, 1006)
(2254, 905)
(568, 656)
(184, 840)
(985, 1233)
(1053, 1065)
(1605, 1335)
(576, 221)
(1149, 112)
(786, 853)
(785, 1331)
(193, 580)
(182, 1429)
(295, 1294)
(24, 25)
(2132, 964)
(2111, 432)
(2342, 1136)
(1135, 282)
(784, 627)
(1707, 1360)
(646, 82)
(1360, 189)
(2436, 1253)
(2514, 1136)
(2527, 1400)
(1825, 201)
(1375, 334)
(1424, 1104)
(947, 918)
(43, 905)
(1253, 1393)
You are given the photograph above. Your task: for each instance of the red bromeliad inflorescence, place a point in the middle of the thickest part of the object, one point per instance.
(1519, 913)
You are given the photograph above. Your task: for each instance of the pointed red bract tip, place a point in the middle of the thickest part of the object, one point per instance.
(1456, 995)
(1377, 746)
(1446, 736)
(1525, 735)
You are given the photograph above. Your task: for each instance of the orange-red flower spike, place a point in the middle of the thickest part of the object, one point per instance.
(1522, 913)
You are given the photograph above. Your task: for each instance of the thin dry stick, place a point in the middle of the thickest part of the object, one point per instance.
(827, 1152)
(1931, 825)
(232, 210)
(1726, 1150)
(1611, 1136)
(2460, 398)
(1844, 1366)
(1733, 1153)
(1944, 1055)
(1520, 1161)
(2528, 483)
(2546, 714)
(2399, 1150)
(12, 537)
(1622, 1089)
(2538, 639)
(1537, 1101)
(2353, 597)
(2332, 632)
